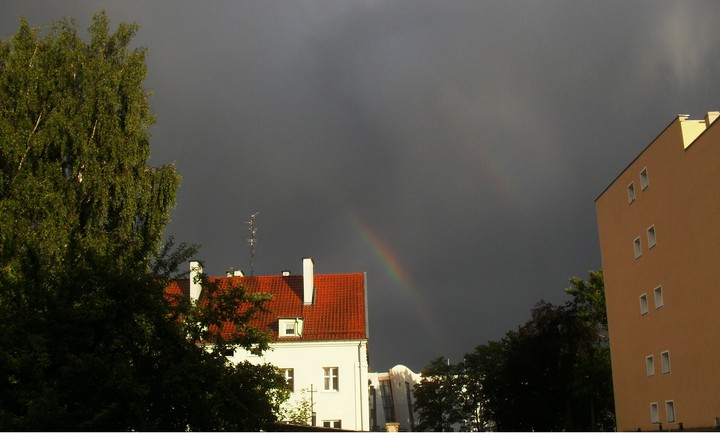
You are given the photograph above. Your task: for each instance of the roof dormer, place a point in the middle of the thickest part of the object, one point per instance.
(290, 327)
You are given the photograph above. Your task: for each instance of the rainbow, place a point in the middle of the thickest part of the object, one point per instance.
(394, 269)
(383, 252)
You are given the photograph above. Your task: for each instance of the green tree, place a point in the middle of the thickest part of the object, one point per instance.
(593, 387)
(436, 397)
(299, 412)
(553, 373)
(479, 392)
(88, 340)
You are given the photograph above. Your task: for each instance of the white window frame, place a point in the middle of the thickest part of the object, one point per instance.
(654, 413)
(333, 423)
(644, 181)
(670, 411)
(651, 237)
(331, 379)
(289, 374)
(290, 327)
(665, 362)
(644, 308)
(637, 246)
(658, 297)
(650, 365)
(631, 192)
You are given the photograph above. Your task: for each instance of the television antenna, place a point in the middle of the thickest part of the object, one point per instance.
(252, 241)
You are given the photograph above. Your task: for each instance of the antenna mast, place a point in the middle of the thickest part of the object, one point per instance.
(252, 241)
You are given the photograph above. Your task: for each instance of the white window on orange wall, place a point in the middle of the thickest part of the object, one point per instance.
(650, 365)
(637, 247)
(665, 362)
(652, 241)
(658, 295)
(644, 181)
(643, 304)
(654, 414)
(670, 411)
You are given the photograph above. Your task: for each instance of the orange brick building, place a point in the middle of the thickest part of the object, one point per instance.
(659, 228)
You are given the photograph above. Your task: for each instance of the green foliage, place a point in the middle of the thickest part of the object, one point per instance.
(298, 412)
(552, 374)
(88, 340)
(436, 397)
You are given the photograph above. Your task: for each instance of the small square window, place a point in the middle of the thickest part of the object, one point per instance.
(643, 304)
(337, 424)
(644, 182)
(665, 361)
(631, 192)
(650, 365)
(654, 415)
(658, 294)
(637, 247)
(670, 411)
(290, 327)
(651, 236)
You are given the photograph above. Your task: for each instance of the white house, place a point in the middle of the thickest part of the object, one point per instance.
(319, 329)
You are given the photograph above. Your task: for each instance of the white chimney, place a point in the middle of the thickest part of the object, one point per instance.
(308, 283)
(195, 286)
(710, 117)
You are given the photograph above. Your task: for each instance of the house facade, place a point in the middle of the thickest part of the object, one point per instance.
(319, 329)
(659, 229)
(392, 400)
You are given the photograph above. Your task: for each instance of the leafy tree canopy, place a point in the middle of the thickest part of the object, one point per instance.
(436, 397)
(552, 374)
(88, 340)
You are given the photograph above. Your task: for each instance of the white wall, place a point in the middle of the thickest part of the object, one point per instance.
(350, 403)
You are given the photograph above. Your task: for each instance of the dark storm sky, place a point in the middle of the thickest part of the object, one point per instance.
(450, 149)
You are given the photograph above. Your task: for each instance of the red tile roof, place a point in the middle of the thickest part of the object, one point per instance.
(338, 312)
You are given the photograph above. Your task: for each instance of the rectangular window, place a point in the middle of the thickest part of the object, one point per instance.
(665, 361)
(658, 293)
(638, 248)
(651, 236)
(289, 375)
(332, 424)
(387, 400)
(650, 365)
(670, 411)
(643, 304)
(644, 182)
(290, 327)
(654, 415)
(331, 378)
(631, 193)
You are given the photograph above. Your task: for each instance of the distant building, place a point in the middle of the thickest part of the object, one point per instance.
(392, 400)
(318, 324)
(659, 228)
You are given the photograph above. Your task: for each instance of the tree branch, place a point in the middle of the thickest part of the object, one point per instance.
(27, 149)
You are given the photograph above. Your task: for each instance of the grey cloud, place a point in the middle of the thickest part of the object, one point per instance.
(470, 138)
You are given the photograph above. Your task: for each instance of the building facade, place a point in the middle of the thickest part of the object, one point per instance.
(318, 324)
(392, 400)
(659, 229)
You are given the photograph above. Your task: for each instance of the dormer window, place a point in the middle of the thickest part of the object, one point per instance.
(290, 327)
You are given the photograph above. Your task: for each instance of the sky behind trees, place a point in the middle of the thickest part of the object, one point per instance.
(452, 150)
